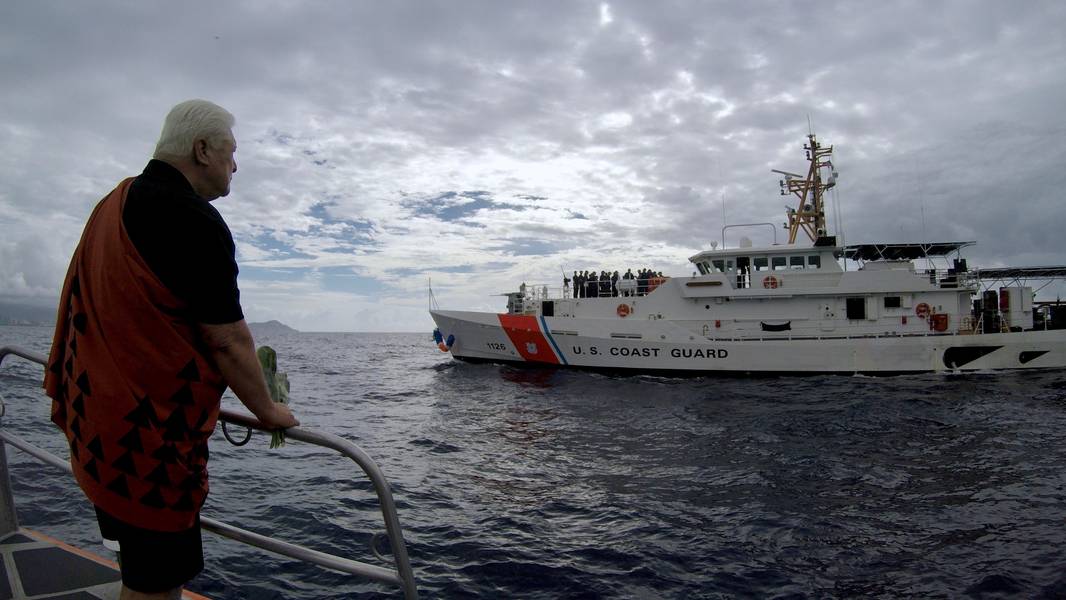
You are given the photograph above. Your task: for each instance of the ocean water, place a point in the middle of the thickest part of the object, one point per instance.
(516, 483)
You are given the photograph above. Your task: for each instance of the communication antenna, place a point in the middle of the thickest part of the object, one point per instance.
(723, 208)
(838, 223)
(809, 215)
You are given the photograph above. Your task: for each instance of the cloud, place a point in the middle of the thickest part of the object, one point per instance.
(478, 145)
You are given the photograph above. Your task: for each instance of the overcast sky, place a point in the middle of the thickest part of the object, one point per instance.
(482, 144)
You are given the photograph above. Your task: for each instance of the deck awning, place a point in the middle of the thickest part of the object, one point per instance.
(1019, 273)
(902, 251)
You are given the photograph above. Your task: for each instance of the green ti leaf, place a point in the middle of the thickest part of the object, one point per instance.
(277, 384)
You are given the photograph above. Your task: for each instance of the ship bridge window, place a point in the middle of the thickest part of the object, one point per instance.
(722, 265)
(814, 262)
(893, 302)
(761, 263)
(778, 262)
(795, 262)
(702, 266)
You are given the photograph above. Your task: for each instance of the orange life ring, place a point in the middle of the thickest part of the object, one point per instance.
(623, 310)
(922, 310)
(770, 282)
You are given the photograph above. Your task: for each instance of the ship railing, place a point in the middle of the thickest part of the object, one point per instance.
(401, 575)
(950, 278)
(539, 292)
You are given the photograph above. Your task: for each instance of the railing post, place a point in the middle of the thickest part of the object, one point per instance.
(9, 520)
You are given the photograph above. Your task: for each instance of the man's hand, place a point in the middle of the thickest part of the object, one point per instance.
(233, 350)
(280, 417)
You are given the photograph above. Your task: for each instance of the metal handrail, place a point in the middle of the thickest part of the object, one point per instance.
(402, 577)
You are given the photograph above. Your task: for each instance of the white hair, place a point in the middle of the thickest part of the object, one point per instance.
(190, 121)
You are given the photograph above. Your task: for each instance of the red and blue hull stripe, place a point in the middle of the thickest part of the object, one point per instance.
(531, 337)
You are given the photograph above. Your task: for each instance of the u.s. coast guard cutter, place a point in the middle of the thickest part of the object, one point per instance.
(788, 308)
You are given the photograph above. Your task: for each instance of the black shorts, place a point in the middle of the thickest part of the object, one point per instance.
(154, 561)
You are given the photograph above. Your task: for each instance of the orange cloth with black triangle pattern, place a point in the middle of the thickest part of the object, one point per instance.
(132, 387)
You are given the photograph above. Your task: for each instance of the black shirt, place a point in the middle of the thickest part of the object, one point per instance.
(185, 242)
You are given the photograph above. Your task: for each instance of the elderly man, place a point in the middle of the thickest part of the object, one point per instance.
(149, 334)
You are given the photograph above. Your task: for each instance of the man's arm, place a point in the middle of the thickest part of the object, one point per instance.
(233, 350)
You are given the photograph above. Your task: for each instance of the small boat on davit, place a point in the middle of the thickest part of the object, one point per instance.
(784, 308)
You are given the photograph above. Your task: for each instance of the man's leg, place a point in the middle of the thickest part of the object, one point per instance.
(155, 564)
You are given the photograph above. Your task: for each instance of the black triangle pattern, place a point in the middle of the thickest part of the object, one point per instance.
(176, 428)
(57, 365)
(119, 486)
(75, 428)
(201, 421)
(61, 390)
(69, 366)
(154, 499)
(75, 287)
(132, 441)
(74, 346)
(166, 453)
(125, 464)
(183, 397)
(96, 448)
(200, 450)
(192, 482)
(74, 452)
(144, 415)
(190, 372)
(159, 475)
(83, 383)
(59, 417)
(79, 405)
(90, 468)
(184, 503)
(80, 321)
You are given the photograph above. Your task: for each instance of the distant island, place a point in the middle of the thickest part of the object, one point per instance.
(271, 328)
(22, 313)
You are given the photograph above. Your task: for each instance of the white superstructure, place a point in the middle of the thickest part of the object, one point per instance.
(788, 308)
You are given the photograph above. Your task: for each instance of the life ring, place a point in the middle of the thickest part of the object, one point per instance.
(922, 310)
(623, 310)
(770, 282)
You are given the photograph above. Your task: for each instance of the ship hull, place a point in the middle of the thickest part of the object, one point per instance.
(664, 347)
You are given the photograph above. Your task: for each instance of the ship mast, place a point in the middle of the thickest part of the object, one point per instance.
(810, 214)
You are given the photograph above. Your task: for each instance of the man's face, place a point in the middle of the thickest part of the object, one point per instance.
(221, 166)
